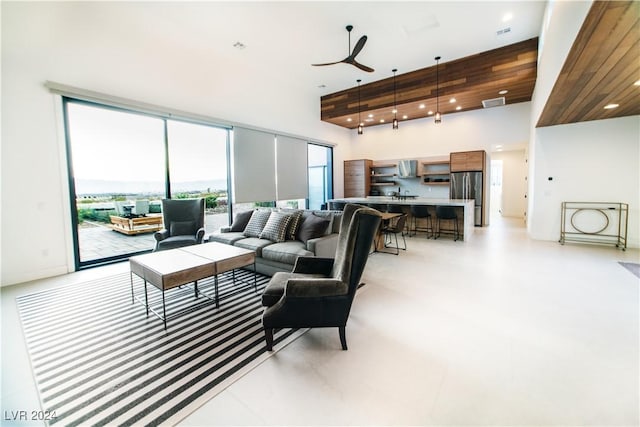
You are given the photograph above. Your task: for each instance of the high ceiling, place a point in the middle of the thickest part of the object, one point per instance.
(600, 70)
(246, 48)
(283, 39)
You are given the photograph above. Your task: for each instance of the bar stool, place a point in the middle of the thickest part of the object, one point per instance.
(419, 212)
(447, 213)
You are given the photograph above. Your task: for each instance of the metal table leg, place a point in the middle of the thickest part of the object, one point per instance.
(216, 291)
(146, 298)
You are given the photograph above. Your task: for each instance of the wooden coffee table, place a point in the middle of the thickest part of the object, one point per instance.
(176, 267)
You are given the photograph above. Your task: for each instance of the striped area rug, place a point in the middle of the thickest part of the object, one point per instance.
(99, 360)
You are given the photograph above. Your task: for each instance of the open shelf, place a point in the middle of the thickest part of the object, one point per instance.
(437, 169)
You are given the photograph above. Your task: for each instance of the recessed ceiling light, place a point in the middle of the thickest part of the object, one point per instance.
(394, 111)
(349, 119)
(503, 92)
(430, 112)
(405, 117)
(370, 115)
(239, 45)
(611, 106)
(637, 83)
(381, 120)
(452, 100)
(507, 17)
(498, 146)
(421, 106)
(368, 120)
(458, 108)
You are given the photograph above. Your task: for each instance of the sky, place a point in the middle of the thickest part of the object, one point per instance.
(113, 145)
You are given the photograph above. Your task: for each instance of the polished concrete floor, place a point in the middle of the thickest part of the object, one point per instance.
(499, 330)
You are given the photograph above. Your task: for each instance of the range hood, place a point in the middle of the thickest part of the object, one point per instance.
(407, 168)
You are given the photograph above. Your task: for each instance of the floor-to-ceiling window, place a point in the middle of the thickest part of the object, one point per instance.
(320, 172)
(198, 168)
(123, 163)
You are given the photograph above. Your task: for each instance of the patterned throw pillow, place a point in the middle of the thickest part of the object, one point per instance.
(296, 220)
(276, 227)
(256, 223)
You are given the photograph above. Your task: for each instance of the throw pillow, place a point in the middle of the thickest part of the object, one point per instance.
(276, 227)
(312, 227)
(182, 227)
(256, 223)
(241, 220)
(296, 220)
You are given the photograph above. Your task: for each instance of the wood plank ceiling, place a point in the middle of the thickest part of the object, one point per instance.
(601, 68)
(469, 80)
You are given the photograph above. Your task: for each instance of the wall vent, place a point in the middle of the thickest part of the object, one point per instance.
(495, 102)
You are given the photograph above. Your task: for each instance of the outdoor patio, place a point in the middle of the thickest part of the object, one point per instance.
(98, 240)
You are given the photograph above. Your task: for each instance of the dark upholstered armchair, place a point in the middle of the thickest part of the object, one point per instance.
(183, 223)
(319, 291)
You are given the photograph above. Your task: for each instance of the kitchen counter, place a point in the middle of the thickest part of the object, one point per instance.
(466, 208)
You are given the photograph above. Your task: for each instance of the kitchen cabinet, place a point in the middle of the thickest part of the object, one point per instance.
(435, 172)
(467, 161)
(357, 182)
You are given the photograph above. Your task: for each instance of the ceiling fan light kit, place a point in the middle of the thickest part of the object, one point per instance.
(351, 54)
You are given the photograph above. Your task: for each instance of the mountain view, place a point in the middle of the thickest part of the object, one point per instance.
(93, 187)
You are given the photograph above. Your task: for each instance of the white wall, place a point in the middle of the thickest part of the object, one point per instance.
(594, 161)
(473, 130)
(514, 187)
(83, 45)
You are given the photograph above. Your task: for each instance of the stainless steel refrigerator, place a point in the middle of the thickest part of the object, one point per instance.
(468, 185)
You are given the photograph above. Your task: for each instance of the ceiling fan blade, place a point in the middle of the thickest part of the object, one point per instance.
(362, 67)
(328, 63)
(358, 47)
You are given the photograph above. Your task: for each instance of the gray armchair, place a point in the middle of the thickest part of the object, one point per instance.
(319, 291)
(183, 224)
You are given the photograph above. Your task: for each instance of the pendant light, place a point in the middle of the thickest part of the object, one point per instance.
(360, 125)
(395, 109)
(438, 115)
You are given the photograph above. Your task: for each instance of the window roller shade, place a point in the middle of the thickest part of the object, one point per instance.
(292, 169)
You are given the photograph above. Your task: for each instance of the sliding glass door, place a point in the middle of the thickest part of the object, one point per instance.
(123, 163)
(116, 158)
(320, 160)
(198, 168)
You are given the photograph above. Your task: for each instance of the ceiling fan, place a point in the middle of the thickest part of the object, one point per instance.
(351, 58)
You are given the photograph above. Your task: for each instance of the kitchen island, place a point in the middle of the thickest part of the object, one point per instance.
(465, 208)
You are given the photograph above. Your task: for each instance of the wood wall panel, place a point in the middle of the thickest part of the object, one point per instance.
(470, 80)
(601, 68)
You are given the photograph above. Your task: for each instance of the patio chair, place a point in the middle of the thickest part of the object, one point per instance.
(183, 224)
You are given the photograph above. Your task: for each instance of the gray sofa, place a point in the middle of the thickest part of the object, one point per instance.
(272, 257)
